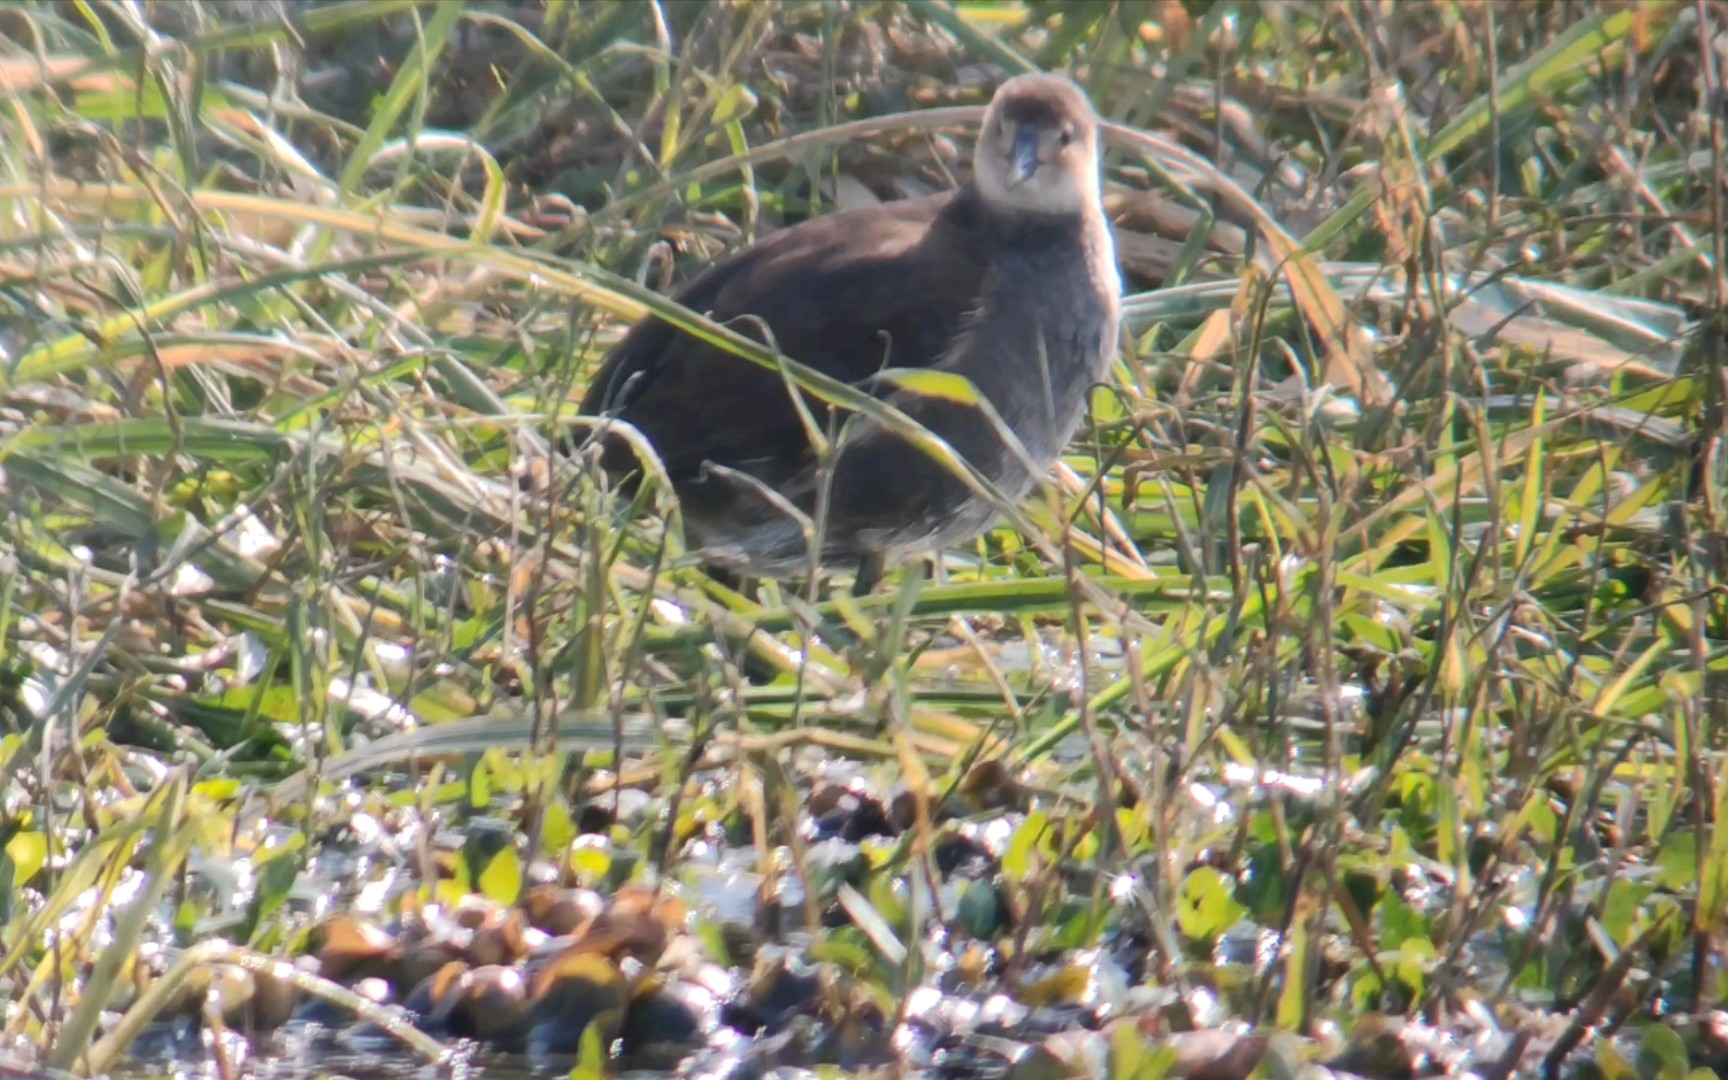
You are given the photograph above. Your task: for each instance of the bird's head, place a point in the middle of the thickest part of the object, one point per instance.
(1038, 152)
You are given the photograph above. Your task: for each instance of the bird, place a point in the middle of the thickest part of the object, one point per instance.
(1009, 279)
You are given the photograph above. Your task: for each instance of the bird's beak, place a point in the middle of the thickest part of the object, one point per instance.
(1025, 158)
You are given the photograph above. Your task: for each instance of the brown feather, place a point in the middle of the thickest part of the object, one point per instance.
(848, 294)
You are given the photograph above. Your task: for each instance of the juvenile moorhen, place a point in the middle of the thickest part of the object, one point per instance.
(1009, 280)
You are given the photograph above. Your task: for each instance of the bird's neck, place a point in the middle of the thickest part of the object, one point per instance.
(1031, 231)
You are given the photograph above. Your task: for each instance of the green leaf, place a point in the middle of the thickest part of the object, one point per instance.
(1413, 964)
(1399, 922)
(1713, 880)
(480, 786)
(1365, 992)
(591, 1058)
(591, 863)
(557, 829)
(1127, 1050)
(1292, 1008)
(1205, 907)
(1677, 861)
(1613, 1064)
(502, 879)
(1264, 888)
(1662, 1054)
(926, 382)
(28, 852)
(881, 892)
(1027, 848)
(847, 949)
(1620, 909)
(275, 878)
(736, 103)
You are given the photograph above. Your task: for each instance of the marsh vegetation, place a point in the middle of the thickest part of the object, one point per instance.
(1351, 698)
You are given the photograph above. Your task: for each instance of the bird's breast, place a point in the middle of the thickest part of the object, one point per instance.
(1053, 319)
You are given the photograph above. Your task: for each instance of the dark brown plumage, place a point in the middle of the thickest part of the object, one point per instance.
(1010, 280)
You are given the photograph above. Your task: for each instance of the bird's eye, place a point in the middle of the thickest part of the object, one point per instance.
(1066, 136)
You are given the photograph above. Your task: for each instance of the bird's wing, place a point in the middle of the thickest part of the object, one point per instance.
(847, 294)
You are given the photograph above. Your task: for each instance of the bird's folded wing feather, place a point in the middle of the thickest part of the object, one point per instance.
(847, 294)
